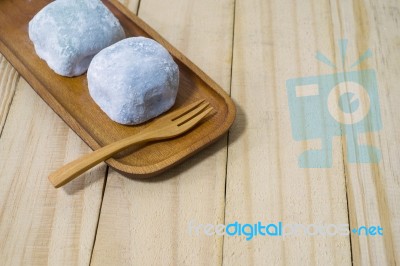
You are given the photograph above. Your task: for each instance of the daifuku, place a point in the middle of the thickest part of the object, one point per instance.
(67, 34)
(134, 80)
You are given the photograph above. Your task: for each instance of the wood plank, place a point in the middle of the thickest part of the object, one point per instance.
(131, 4)
(374, 189)
(275, 41)
(8, 82)
(38, 224)
(153, 215)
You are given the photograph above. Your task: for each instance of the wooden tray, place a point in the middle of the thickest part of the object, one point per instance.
(70, 99)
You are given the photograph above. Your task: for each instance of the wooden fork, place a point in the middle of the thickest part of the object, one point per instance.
(167, 126)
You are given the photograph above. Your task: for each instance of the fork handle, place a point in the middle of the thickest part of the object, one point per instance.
(75, 168)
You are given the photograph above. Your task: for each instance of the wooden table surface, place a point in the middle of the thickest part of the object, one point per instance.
(251, 48)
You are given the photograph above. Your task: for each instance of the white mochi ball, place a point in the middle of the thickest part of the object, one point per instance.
(67, 34)
(133, 80)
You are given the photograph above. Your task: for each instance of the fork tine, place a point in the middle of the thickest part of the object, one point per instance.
(182, 119)
(181, 111)
(196, 119)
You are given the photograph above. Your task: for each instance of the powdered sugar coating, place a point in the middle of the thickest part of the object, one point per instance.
(68, 33)
(133, 80)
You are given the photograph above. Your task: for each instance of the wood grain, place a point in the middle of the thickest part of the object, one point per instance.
(70, 99)
(275, 41)
(39, 224)
(8, 81)
(153, 216)
(374, 189)
(146, 222)
(131, 4)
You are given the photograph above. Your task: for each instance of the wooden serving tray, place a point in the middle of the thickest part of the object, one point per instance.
(70, 99)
